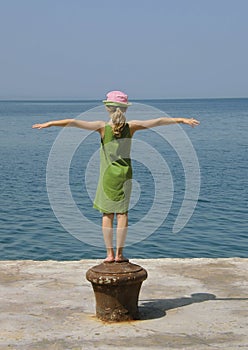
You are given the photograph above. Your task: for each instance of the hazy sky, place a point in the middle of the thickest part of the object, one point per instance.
(81, 49)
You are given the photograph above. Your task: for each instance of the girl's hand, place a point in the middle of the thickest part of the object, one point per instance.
(192, 122)
(41, 126)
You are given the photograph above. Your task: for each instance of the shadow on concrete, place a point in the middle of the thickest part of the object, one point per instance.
(156, 308)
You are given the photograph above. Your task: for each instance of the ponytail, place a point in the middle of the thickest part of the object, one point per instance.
(117, 115)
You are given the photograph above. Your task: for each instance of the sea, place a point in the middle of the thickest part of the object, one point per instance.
(216, 228)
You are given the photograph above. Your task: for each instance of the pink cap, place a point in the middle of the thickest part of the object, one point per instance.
(117, 98)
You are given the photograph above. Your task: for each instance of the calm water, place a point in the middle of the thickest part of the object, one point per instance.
(218, 227)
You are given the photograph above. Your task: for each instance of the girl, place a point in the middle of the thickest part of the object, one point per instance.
(114, 185)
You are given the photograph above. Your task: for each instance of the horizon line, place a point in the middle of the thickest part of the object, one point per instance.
(100, 100)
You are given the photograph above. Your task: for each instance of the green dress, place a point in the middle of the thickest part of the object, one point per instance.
(115, 180)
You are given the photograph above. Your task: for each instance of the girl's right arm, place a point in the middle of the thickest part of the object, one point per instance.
(96, 125)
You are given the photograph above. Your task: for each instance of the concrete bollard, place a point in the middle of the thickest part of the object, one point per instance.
(116, 287)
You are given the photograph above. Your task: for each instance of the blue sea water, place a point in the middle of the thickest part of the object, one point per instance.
(218, 227)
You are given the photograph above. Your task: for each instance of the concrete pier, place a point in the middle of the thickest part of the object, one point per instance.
(184, 304)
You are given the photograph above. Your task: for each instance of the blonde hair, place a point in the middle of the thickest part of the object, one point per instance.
(117, 115)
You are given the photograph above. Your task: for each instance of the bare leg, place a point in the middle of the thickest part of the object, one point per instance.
(121, 233)
(107, 230)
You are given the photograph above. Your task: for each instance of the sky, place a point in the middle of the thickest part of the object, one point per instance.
(81, 49)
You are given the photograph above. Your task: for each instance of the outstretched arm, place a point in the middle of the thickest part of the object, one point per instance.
(151, 123)
(96, 125)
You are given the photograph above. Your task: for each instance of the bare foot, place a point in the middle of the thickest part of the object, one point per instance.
(110, 256)
(109, 259)
(120, 259)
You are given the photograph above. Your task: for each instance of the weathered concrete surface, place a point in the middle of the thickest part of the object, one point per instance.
(184, 304)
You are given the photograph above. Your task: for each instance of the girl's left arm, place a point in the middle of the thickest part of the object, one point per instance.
(151, 123)
(96, 125)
